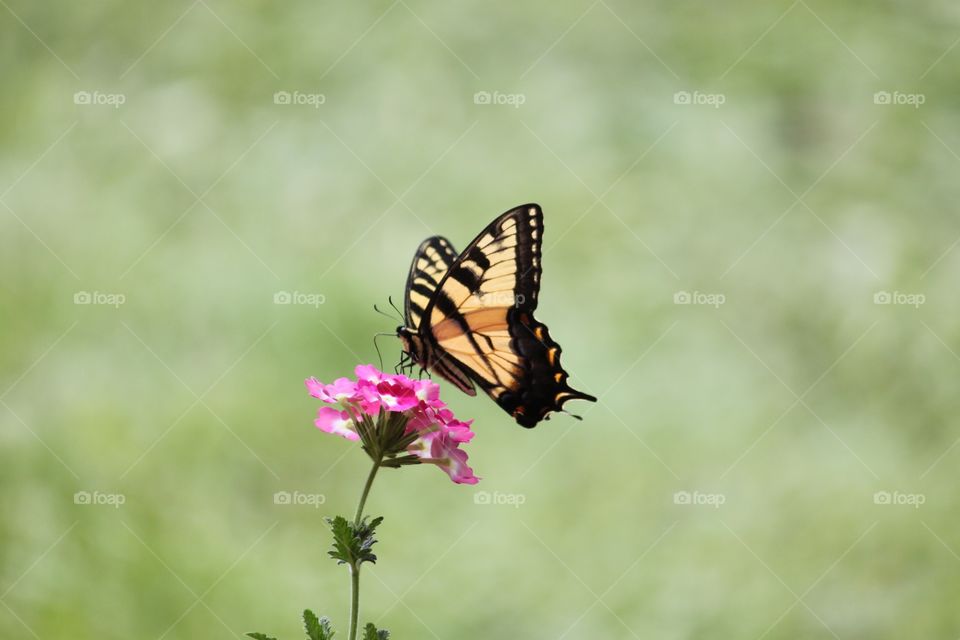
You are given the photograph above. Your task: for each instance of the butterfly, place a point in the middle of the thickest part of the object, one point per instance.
(469, 318)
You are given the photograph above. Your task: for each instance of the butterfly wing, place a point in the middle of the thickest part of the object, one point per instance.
(480, 320)
(433, 259)
(431, 262)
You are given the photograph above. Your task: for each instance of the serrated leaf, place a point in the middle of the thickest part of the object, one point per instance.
(364, 535)
(316, 628)
(352, 544)
(260, 636)
(342, 540)
(370, 632)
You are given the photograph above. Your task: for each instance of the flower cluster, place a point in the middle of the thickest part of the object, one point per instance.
(393, 414)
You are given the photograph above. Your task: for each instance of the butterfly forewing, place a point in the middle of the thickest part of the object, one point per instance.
(433, 259)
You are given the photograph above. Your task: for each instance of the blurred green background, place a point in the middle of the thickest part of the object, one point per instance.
(780, 465)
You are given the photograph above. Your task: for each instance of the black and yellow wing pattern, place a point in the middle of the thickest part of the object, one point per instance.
(470, 318)
(433, 259)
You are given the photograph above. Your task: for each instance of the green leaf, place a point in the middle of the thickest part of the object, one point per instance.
(260, 636)
(317, 628)
(342, 540)
(352, 544)
(364, 534)
(370, 632)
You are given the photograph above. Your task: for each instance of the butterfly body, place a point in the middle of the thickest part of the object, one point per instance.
(469, 318)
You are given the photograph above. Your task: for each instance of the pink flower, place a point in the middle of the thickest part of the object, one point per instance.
(438, 434)
(428, 391)
(369, 373)
(338, 422)
(340, 389)
(459, 431)
(395, 396)
(445, 452)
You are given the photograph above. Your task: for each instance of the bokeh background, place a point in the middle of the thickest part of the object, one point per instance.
(775, 459)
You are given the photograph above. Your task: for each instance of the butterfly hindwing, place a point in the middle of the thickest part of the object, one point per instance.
(546, 387)
(479, 320)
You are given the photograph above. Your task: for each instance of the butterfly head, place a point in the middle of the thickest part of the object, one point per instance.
(412, 343)
(412, 348)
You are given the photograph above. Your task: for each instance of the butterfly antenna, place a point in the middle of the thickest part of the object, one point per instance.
(381, 312)
(400, 313)
(377, 346)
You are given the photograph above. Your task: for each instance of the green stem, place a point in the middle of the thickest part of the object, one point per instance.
(354, 600)
(366, 491)
(355, 570)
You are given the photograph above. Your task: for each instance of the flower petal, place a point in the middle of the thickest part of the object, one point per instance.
(315, 387)
(341, 389)
(445, 453)
(428, 391)
(369, 373)
(337, 422)
(396, 396)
